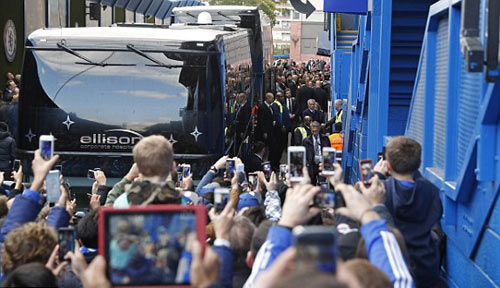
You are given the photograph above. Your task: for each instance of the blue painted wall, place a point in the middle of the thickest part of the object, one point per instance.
(413, 81)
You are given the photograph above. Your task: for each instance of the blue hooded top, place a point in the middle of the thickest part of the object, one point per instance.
(416, 208)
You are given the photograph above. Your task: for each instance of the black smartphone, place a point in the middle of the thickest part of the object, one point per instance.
(266, 168)
(380, 156)
(16, 165)
(91, 174)
(316, 248)
(66, 241)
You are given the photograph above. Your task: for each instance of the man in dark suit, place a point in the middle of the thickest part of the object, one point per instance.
(314, 145)
(320, 96)
(265, 124)
(242, 117)
(283, 124)
(292, 84)
(304, 93)
(254, 161)
(312, 112)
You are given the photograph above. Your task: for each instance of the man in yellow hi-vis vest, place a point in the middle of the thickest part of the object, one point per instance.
(302, 131)
(338, 107)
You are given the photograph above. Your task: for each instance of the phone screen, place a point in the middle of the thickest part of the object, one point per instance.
(52, 182)
(46, 149)
(283, 171)
(186, 170)
(66, 242)
(221, 197)
(316, 247)
(329, 157)
(266, 167)
(297, 163)
(326, 198)
(91, 174)
(156, 243)
(230, 168)
(366, 171)
(16, 165)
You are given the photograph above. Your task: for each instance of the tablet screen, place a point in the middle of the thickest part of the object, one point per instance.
(149, 248)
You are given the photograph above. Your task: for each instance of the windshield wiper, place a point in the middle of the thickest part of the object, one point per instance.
(157, 62)
(227, 17)
(178, 66)
(73, 52)
(141, 53)
(87, 60)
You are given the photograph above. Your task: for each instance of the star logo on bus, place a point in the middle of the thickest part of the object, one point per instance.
(68, 122)
(30, 135)
(196, 133)
(172, 140)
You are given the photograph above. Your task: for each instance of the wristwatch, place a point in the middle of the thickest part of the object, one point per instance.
(214, 169)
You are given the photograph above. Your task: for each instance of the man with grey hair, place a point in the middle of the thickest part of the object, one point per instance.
(338, 108)
(312, 112)
(328, 126)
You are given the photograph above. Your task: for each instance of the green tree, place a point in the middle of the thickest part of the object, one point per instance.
(267, 6)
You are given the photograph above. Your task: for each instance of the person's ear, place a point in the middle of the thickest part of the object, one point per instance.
(388, 165)
(249, 259)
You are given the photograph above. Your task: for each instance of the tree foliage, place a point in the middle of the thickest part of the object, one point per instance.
(267, 6)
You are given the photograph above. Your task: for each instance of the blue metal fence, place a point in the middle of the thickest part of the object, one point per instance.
(413, 82)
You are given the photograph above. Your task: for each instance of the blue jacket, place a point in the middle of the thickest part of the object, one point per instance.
(383, 252)
(416, 209)
(207, 178)
(26, 208)
(226, 268)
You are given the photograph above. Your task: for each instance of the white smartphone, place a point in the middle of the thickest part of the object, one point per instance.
(186, 170)
(240, 168)
(53, 185)
(221, 197)
(296, 162)
(47, 146)
(328, 159)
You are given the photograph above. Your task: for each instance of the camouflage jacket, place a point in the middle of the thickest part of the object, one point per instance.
(144, 193)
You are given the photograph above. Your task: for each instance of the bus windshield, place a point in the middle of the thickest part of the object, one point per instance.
(132, 96)
(90, 93)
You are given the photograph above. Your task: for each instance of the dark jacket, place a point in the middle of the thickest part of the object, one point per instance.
(321, 97)
(265, 121)
(293, 87)
(241, 272)
(303, 94)
(315, 115)
(7, 150)
(415, 211)
(282, 118)
(309, 145)
(253, 164)
(242, 117)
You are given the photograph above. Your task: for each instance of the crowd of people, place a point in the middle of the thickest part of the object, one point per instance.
(298, 101)
(384, 233)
